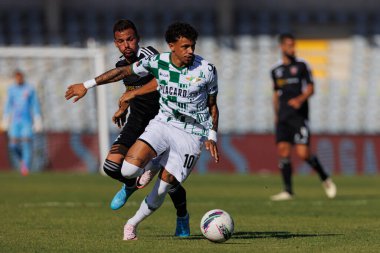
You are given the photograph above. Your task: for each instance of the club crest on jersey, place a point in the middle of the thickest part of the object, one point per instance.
(293, 70)
(192, 79)
(278, 72)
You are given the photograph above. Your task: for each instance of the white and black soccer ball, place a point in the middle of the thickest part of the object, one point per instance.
(217, 225)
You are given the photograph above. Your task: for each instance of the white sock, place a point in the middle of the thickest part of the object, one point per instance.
(141, 214)
(128, 170)
(151, 203)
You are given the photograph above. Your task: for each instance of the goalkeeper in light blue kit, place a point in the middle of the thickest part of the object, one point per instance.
(22, 117)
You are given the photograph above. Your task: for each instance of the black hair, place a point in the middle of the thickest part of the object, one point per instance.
(124, 24)
(178, 29)
(284, 36)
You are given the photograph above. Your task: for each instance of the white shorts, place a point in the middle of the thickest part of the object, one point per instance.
(179, 150)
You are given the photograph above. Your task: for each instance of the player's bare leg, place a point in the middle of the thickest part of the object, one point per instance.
(303, 151)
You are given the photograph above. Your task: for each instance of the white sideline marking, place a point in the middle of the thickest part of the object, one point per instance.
(360, 202)
(62, 204)
(75, 204)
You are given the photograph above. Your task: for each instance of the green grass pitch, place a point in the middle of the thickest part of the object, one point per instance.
(54, 212)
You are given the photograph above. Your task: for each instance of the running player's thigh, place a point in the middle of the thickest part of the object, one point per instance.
(184, 152)
(140, 154)
(284, 149)
(284, 133)
(117, 153)
(303, 151)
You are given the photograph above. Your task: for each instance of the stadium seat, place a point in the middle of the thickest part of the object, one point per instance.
(34, 27)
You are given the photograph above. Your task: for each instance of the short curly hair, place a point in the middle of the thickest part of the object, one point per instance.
(178, 29)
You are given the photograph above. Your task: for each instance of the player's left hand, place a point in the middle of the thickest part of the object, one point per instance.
(76, 90)
(120, 115)
(213, 148)
(126, 97)
(295, 103)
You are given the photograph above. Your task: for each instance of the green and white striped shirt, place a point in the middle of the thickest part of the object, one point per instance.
(184, 91)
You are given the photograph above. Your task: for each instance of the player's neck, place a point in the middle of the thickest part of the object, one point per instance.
(287, 60)
(176, 62)
(130, 59)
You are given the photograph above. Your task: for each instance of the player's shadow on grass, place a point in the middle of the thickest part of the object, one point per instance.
(275, 234)
(259, 235)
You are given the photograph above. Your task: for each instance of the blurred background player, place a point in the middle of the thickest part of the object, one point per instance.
(142, 110)
(22, 117)
(293, 85)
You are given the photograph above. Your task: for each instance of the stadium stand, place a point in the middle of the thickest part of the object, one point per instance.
(345, 68)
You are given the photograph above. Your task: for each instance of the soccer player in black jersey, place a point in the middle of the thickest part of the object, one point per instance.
(293, 85)
(142, 109)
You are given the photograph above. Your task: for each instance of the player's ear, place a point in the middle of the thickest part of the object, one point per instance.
(171, 46)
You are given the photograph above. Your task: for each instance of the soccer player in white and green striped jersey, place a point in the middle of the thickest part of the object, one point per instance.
(187, 119)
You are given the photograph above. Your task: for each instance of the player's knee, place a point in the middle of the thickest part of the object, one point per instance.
(128, 170)
(304, 156)
(282, 152)
(157, 196)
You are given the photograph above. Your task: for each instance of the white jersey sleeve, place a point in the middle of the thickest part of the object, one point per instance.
(143, 66)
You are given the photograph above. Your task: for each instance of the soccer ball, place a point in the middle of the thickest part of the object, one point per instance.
(217, 225)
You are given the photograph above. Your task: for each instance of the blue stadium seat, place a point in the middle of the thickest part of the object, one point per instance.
(14, 24)
(34, 27)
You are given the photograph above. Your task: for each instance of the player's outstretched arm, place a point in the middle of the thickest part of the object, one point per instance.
(79, 90)
(210, 144)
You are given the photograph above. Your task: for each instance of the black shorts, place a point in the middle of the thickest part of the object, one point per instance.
(293, 131)
(132, 130)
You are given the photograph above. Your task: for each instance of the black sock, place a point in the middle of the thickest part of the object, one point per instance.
(286, 171)
(113, 170)
(316, 165)
(178, 196)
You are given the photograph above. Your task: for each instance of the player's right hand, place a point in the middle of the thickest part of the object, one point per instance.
(213, 148)
(76, 90)
(120, 115)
